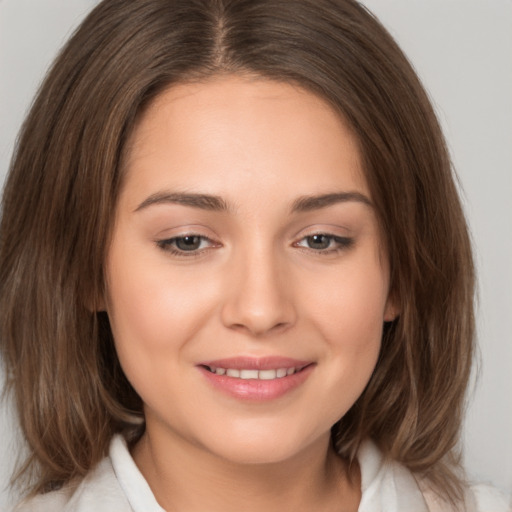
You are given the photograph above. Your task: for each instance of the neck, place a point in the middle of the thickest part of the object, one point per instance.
(185, 477)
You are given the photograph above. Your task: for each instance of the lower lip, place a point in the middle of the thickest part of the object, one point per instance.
(256, 389)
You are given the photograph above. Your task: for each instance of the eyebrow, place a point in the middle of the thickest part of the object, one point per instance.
(202, 201)
(309, 203)
(217, 204)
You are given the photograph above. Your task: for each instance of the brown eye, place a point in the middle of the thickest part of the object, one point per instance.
(319, 242)
(188, 243)
(324, 243)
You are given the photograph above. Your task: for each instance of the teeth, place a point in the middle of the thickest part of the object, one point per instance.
(267, 374)
(254, 374)
(248, 374)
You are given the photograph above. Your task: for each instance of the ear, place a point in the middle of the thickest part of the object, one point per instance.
(100, 305)
(96, 302)
(392, 309)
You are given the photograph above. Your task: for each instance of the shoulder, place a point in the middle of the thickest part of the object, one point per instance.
(99, 491)
(115, 484)
(53, 501)
(490, 499)
(388, 486)
(478, 498)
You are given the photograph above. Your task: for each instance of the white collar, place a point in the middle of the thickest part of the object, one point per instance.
(386, 485)
(133, 484)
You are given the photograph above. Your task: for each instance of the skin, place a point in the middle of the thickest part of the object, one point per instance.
(257, 285)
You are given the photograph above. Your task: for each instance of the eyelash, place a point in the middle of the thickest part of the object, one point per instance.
(341, 244)
(169, 245)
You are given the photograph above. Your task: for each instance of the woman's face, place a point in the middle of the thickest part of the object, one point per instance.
(246, 282)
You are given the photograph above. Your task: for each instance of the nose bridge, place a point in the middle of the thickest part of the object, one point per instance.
(258, 300)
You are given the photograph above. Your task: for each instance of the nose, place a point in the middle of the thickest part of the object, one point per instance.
(258, 297)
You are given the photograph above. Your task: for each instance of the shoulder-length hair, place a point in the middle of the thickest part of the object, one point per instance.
(60, 197)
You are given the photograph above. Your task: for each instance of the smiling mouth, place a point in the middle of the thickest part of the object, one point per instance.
(248, 374)
(257, 379)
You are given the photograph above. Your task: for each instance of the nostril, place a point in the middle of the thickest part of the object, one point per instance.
(257, 304)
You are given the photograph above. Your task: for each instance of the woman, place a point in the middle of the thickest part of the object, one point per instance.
(234, 229)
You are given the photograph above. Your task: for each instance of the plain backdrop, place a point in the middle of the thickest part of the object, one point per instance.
(462, 50)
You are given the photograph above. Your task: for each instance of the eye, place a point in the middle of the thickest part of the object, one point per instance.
(190, 243)
(325, 243)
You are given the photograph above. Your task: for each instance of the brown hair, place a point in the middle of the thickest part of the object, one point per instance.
(61, 192)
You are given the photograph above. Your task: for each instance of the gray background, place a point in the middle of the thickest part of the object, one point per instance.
(462, 49)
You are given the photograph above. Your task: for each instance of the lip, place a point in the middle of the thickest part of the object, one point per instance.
(254, 389)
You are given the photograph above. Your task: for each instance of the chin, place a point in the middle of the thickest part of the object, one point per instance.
(264, 446)
(253, 455)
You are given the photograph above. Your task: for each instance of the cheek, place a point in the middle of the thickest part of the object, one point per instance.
(349, 305)
(151, 313)
(156, 311)
(348, 310)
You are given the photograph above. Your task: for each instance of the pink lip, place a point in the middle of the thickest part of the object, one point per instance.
(255, 389)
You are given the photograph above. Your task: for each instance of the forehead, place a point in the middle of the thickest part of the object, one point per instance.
(243, 132)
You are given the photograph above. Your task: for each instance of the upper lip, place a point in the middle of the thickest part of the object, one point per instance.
(256, 363)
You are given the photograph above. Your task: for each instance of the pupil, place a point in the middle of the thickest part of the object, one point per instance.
(319, 241)
(188, 243)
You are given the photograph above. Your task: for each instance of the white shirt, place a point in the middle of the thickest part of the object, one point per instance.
(117, 485)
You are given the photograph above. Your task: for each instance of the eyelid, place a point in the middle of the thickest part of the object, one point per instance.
(166, 244)
(342, 243)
